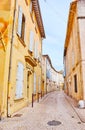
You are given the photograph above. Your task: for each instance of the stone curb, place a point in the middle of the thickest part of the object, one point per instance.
(80, 112)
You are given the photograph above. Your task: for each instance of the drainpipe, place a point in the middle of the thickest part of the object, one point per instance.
(10, 64)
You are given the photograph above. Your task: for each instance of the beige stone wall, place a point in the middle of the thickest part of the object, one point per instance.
(81, 20)
(73, 62)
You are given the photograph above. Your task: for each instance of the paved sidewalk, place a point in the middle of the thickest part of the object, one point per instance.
(79, 111)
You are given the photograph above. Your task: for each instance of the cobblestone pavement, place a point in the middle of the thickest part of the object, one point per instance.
(52, 107)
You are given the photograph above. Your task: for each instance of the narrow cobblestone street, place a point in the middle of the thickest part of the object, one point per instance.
(52, 107)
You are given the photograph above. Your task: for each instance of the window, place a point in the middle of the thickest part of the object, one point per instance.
(75, 83)
(23, 27)
(19, 81)
(48, 74)
(39, 57)
(31, 40)
(39, 83)
(30, 7)
(36, 50)
(31, 11)
(19, 21)
(21, 24)
(34, 82)
(64, 73)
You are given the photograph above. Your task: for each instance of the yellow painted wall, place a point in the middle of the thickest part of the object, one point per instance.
(4, 64)
(18, 54)
(5, 4)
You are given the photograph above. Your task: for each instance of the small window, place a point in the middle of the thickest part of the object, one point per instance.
(19, 81)
(75, 83)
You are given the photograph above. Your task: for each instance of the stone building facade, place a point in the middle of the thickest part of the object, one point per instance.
(52, 79)
(74, 51)
(21, 33)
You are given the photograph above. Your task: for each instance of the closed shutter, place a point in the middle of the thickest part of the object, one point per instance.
(31, 40)
(34, 82)
(36, 50)
(39, 84)
(30, 8)
(19, 80)
(20, 21)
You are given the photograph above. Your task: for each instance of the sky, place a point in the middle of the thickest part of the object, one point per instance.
(55, 16)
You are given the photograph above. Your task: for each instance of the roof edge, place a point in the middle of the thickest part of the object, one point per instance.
(69, 24)
(37, 11)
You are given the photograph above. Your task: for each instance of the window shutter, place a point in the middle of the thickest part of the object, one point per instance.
(39, 84)
(31, 40)
(20, 21)
(19, 80)
(30, 7)
(34, 83)
(36, 50)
